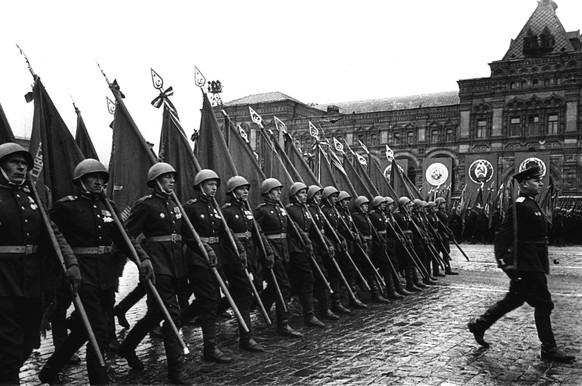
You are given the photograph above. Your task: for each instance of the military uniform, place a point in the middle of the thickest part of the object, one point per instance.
(443, 224)
(381, 254)
(88, 226)
(419, 242)
(160, 220)
(404, 221)
(28, 268)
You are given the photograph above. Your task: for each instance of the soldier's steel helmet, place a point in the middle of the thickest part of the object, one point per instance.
(205, 175)
(328, 191)
(88, 166)
(157, 170)
(439, 200)
(10, 148)
(389, 200)
(378, 200)
(236, 182)
(313, 189)
(403, 201)
(343, 195)
(417, 202)
(430, 204)
(361, 200)
(270, 184)
(296, 187)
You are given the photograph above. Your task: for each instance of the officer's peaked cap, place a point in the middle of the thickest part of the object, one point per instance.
(532, 172)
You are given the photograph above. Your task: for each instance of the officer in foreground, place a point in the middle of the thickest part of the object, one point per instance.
(522, 253)
(27, 263)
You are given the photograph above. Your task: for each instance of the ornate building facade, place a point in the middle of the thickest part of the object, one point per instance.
(527, 110)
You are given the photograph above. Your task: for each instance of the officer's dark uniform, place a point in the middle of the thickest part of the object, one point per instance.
(28, 267)
(88, 226)
(419, 242)
(432, 223)
(240, 220)
(159, 219)
(443, 224)
(273, 220)
(208, 224)
(404, 222)
(381, 247)
(527, 270)
(364, 225)
(301, 273)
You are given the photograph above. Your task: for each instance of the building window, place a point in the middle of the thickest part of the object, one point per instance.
(396, 138)
(410, 138)
(533, 125)
(512, 86)
(449, 135)
(514, 127)
(523, 84)
(434, 136)
(362, 138)
(481, 129)
(553, 124)
(374, 140)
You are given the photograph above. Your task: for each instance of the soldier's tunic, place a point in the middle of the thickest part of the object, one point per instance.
(161, 222)
(89, 228)
(443, 224)
(380, 247)
(363, 224)
(405, 224)
(28, 267)
(273, 220)
(418, 239)
(333, 216)
(322, 256)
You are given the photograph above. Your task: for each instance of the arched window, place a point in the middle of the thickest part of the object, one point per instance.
(434, 136)
(449, 135)
(396, 138)
(410, 140)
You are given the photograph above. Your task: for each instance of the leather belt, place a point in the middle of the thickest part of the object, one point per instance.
(19, 249)
(158, 239)
(277, 236)
(100, 250)
(210, 240)
(382, 232)
(245, 235)
(367, 237)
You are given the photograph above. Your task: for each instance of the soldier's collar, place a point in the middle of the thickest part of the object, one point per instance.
(89, 196)
(162, 195)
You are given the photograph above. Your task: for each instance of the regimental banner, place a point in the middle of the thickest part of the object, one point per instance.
(525, 160)
(436, 173)
(480, 172)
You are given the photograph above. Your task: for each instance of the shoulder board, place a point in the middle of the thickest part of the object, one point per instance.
(288, 206)
(142, 199)
(372, 211)
(68, 198)
(261, 205)
(520, 199)
(191, 201)
(226, 205)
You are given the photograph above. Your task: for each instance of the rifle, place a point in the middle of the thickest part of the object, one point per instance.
(76, 298)
(246, 271)
(334, 261)
(214, 271)
(450, 232)
(309, 253)
(427, 243)
(150, 285)
(271, 272)
(409, 249)
(377, 235)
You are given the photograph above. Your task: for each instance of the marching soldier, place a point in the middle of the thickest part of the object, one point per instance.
(273, 219)
(394, 238)
(420, 240)
(159, 219)
(300, 267)
(362, 221)
(324, 251)
(380, 246)
(350, 233)
(89, 228)
(432, 223)
(208, 224)
(28, 266)
(444, 231)
(404, 222)
(522, 254)
(240, 219)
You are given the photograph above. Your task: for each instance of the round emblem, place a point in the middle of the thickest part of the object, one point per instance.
(533, 161)
(236, 216)
(162, 215)
(480, 171)
(436, 174)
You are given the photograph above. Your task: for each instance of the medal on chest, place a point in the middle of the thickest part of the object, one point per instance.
(33, 205)
(106, 215)
(177, 212)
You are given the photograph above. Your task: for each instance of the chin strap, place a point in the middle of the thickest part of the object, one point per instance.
(8, 179)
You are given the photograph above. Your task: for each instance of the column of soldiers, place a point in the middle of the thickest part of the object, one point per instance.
(315, 248)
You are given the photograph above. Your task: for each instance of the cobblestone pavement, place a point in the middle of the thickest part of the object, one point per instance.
(419, 340)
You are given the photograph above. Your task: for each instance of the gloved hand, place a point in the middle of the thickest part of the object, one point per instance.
(511, 272)
(401, 239)
(343, 246)
(243, 258)
(212, 258)
(270, 261)
(309, 249)
(331, 250)
(73, 275)
(146, 271)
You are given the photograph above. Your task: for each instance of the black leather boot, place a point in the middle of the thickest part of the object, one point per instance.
(211, 351)
(285, 330)
(556, 355)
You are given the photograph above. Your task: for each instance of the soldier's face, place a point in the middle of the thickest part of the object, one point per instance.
(209, 188)
(274, 194)
(532, 186)
(345, 203)
(317, 198)
(15, 167)
(302, 195)
(332, 199)
(364, 207)
(241, 193)
(94, 182)
(167, 182)
(382, 206)
(390, 207)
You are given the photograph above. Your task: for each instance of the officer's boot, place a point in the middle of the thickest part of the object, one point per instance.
(337, 306)
(479, 325)
(356, 302)
(398, 286)
(417, 282)
(211, 351)
(176, 369)
(97, 374)
(309, 318)
(325, 312)
(246, 341)
(436, 270)
(283, 329)
(410, 284)
(377, 293)
(391, 292)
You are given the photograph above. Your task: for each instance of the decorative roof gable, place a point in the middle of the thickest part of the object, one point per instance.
(543, 34)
